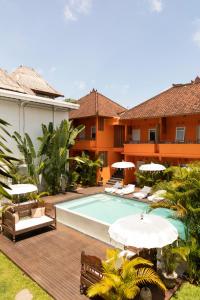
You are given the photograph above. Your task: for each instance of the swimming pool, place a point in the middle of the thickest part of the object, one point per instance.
(94, 214)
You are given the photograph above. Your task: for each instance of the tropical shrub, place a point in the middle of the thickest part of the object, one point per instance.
(152, 178)
(122, 278)
(173, 256)
(54, 154)
(51, 162)
(183, 194)
(88, 170)
(6, 158)
(26, 148)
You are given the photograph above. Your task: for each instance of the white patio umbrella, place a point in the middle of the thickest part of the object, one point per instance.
(152, 167)
(123, 165)
(143, 231)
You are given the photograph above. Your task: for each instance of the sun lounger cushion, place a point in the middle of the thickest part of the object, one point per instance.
(127, 190)
(140, 195)
(127, 253)
(116, 186)
(30, 222)
(143, 193)
(157, 196)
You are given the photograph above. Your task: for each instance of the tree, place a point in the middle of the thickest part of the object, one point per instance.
(54, 153)
(52, 158)
(88, 170)
(183, 194)
(122, 278)
(6, 158)
(26, 148)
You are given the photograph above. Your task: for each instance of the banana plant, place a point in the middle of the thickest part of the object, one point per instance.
(6, 158)
(26, 148)
(54, 153)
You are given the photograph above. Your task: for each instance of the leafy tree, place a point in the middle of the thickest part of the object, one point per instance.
(52, 159)
(26, 148)
(88, 170)
(54, 153)
(183, 194)
(6, 158)
(122, 278)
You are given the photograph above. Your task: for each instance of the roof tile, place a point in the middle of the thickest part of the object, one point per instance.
(180, 99)
(96, 104)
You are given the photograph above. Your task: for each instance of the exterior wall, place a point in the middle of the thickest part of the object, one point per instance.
(28, 118)
(104, 142)
(89, 122)
(105, 138)
(165, 149)
(108, 171)
(189, 122)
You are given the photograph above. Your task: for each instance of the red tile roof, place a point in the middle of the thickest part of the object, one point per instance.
(180, 99)
(96, 104)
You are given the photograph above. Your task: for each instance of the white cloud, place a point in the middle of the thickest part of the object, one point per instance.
(196, 34)
(69, 15)
(156, 5)
(196, 38)
(74, 8)
(52, 69)
(81, 85)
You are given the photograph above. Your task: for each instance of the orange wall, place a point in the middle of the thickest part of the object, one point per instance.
(105, 138)
(189, 122)
(107, 172)
(88, 122)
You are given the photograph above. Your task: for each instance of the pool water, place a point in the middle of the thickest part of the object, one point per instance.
(105, 208)
(109, 208)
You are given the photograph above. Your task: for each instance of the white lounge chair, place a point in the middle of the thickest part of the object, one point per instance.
(130, 188)
(115, 187)
(143, 193)
(157, 196)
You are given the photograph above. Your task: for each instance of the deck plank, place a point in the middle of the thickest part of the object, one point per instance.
(52, 259)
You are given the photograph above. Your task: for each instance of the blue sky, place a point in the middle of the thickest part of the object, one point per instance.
(127, 49)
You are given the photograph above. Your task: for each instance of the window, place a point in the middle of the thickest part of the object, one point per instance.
(101, 124)
(136, 135)
(103, 155)
(93, 132)
(152, 135)
(198, 134)
(82, 135)
(180, 134)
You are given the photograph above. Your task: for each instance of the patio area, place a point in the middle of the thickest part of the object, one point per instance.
(52, 257)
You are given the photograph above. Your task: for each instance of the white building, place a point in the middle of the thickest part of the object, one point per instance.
(27, 101)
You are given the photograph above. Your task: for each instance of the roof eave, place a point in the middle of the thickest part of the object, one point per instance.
(37, 99)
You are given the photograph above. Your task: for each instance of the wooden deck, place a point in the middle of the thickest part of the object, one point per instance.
(52, 259)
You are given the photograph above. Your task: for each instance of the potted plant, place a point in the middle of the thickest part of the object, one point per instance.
(172, 257)
(123, 278)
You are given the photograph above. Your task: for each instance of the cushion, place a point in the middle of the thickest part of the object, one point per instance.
(16, 216)
(42, 211)
(36, 212)
(27, 223)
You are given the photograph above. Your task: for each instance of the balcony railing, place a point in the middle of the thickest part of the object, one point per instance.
(186, 149)
(84, 144)
(164, 142)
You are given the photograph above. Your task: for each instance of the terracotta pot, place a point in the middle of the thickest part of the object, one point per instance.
(169, 280)
(145, 293)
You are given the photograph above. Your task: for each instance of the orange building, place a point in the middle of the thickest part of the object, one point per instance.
(103, 135)
(164, 128)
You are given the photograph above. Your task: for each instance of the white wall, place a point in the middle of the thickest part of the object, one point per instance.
(28, 118)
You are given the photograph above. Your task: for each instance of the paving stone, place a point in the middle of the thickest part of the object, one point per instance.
(24, 294)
